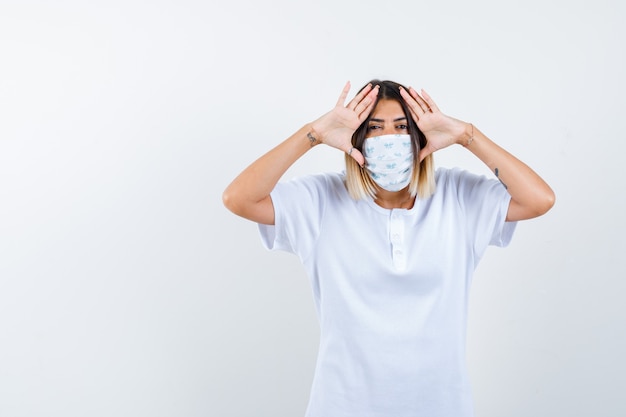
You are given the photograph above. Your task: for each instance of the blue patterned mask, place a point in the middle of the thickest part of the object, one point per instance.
(389, 160)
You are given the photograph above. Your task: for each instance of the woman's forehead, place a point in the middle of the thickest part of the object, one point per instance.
(387, 109)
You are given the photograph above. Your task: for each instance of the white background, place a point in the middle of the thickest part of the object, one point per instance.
(126, 289)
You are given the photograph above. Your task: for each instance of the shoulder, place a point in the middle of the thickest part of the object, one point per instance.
(469, 188)
(466, 185)
(319, 180)
(308, 196)
(318, 184)
(450, 177)
(457, 177)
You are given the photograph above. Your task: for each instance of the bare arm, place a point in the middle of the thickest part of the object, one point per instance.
(249, 194)
(531, 196)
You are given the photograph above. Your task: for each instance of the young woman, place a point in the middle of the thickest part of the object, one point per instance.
(390, 246)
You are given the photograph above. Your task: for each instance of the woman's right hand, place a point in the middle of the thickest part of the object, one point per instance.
(248, 195)
(336, 127)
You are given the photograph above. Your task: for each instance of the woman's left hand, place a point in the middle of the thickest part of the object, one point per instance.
(440, 130)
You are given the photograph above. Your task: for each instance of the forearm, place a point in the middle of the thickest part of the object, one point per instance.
(531, 196)
(248, 194)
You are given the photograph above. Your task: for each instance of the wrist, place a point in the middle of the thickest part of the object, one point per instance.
(312, 135)
(467, 137)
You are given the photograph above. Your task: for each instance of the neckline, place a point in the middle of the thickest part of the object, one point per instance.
(409, 198)
(406, 211)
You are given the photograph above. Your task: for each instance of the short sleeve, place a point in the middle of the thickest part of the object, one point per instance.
(298, 209)
(485, 202)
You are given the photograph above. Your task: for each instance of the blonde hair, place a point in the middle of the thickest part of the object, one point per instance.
(360, 184)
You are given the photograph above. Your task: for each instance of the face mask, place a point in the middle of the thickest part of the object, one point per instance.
(389, 160)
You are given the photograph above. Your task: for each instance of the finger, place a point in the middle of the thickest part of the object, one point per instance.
(355, 154)
(414, 106)
(424, 152)
(407, 97)
(364, 108)
(422, 103)
(430, 101)
(414, 115)
(343, 95)
(359, 97)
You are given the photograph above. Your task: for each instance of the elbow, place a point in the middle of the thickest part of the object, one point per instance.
(536, 206)
(235, 200)
(546, 202)
(551, 200)
(230, 201)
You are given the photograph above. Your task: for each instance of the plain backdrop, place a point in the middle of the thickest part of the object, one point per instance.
(127, 289)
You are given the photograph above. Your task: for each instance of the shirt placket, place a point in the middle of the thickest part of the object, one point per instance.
(396, 237)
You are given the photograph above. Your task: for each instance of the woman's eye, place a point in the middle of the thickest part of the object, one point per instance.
(402, 127)
(373, 127)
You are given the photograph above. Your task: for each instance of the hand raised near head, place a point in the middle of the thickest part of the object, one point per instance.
(440, 130)
(336, 127)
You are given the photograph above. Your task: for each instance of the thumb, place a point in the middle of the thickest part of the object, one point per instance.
(424, 152)
(355, 154)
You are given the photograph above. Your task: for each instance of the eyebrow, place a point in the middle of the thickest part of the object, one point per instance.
(382, 121)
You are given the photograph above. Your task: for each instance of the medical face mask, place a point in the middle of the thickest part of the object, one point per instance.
(389, 160)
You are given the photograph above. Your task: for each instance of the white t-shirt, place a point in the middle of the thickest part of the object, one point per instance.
(391, 289)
